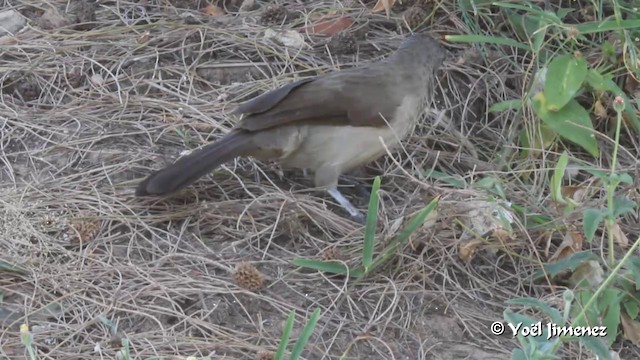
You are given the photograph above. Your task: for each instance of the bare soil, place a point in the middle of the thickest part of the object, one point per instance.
(88, 110)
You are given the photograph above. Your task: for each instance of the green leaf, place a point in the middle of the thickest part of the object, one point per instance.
(437, 175)
(307, 331)
(528, 8)
(565, 76)
(625, 178)
(8, 267)
(569, 263)
(524, 25)
(506, 105)
(486, 182)
(602, 82)
(598, 81)
(496, 40)
(591, 314)
(610, 310)
(286, 334)
(591, 219)
(402, 238)
(515, 318)
(622, 205)
(539, 35)
(562, 12)
(370, 227)
(631, 307)
(518, 354)
(558, 176)
(634, 266)
(572, 122)
(606, 26)
(325, 266)
(596, 346)
(553, 313)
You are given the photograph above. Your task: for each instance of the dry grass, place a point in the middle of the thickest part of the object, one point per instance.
(84, 115)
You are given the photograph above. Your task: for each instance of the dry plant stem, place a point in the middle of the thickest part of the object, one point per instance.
(611, 188)
(113, 106)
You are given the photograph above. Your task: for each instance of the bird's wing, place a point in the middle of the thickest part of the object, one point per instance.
(354, 98)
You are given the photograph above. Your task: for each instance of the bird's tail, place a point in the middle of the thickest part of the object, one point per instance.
(191, 167)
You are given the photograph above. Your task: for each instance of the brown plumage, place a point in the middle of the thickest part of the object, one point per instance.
(328, 124)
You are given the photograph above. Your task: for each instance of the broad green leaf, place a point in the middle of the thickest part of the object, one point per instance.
(592, 315)
(632, 307)
(610, 310)
(625, 178)
(506, 105)
(518, 354)
(524, 25)
(558, 176)
(596, 346)
(569, 263)
(591, 219)
(634, 266)
(286, 334)
(515, 318)
(562, 12)
(458, 183)
(370, 227)
(622, 205)
(324, 266)
(565, 76)
(553, 313)
(572, 122)
(307, 331)
(602, 82)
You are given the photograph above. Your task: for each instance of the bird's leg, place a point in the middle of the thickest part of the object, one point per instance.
(346, 204)
(327, 177)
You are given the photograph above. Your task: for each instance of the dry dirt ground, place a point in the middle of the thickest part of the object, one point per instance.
(95, 96)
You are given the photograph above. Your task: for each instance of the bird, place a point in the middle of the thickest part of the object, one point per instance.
(329, 124)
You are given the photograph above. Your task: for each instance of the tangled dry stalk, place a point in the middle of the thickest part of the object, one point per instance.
(86, 114)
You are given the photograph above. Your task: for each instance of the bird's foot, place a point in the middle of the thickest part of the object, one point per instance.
(361, 190)
(356, 215)
(360, 218)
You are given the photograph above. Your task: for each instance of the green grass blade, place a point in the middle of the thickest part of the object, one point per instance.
(418, 220)
(286, 334)
(307, 331)
(610, 25)
(558, 176)
(403, 237)
(488, 39)
(438, 175)
(324, 266)
(372, 221)
(8, 267)
(553, 313)
(530, 9)
(506, 105)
